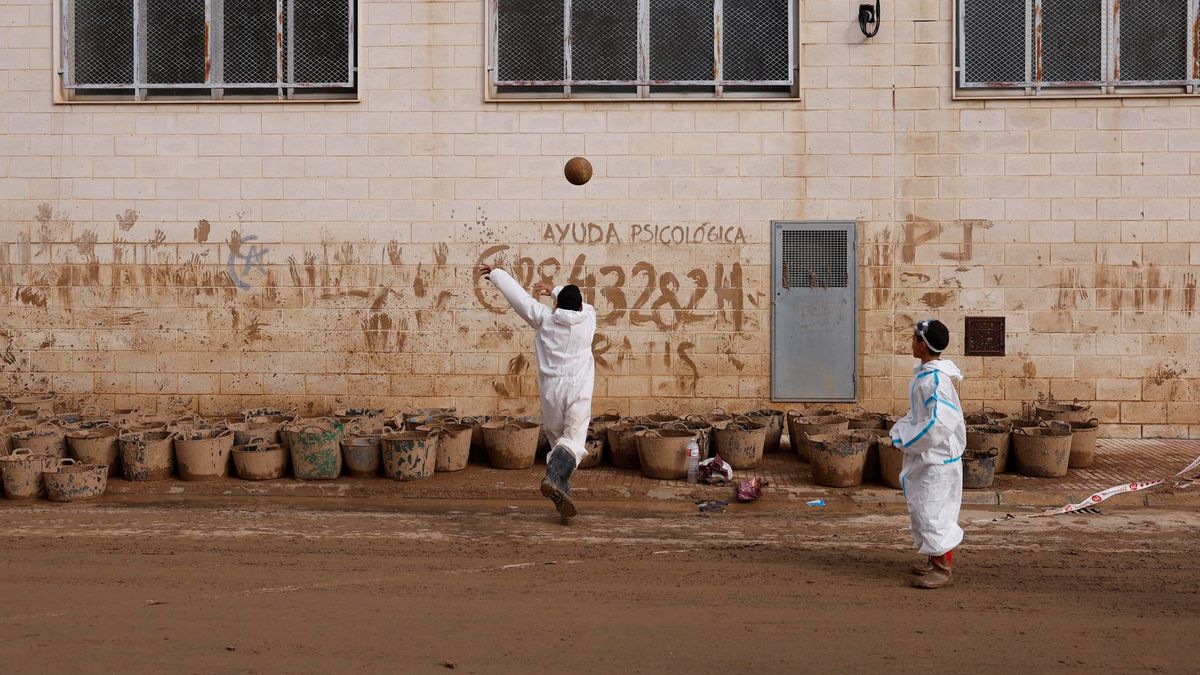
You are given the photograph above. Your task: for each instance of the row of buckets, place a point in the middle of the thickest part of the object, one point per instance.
(843, 449)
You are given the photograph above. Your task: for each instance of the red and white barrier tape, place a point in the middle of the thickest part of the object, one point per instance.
(1117, 490)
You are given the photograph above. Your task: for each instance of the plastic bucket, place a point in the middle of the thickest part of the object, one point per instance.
(773, 421)
(22, 473)
(838, 460)
(147, 455)
(800, 428)
(991, 437)
(1043, 452)
(511, 443)
(622, 444)
(317, 450)
(741, 443)
(96, 446)
(363, 455)
(409, 455)
(71, 482)
(203, 454)
(1064, 412)
(47, 439)
(259, 461)
(662, 453)
(453, 447)
(1083, 443)
(979, 468)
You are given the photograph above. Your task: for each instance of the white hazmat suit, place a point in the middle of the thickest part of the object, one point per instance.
(566, 369)
(933, 437)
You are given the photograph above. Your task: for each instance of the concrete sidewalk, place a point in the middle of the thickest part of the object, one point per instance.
(788, 480)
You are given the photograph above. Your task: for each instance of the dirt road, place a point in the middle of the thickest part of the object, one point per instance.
(248, 586)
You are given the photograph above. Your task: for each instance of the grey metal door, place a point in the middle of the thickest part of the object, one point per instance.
(814, 345)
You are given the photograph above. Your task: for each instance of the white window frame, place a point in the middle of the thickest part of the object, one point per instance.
(501, 90)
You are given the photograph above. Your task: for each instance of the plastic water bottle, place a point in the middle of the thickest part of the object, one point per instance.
(693, 461)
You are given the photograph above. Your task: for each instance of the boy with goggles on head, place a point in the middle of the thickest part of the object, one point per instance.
(933, 437)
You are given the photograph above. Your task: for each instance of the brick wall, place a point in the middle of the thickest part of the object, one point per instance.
(216, 256)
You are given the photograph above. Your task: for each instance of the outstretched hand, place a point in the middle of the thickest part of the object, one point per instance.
(542, 288)
(485, 270)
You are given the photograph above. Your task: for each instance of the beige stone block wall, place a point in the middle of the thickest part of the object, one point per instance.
(218, 256)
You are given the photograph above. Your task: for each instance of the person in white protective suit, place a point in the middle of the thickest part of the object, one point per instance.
(566, 374)
(933, 437)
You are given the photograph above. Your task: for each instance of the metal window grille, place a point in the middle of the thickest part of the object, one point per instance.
(815, 259)
(595, 44)
(1043, 46)
(169, 46)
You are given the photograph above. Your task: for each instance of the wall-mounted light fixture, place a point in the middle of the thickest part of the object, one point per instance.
(869, 19)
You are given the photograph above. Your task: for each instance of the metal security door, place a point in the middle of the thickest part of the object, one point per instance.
(814, 345)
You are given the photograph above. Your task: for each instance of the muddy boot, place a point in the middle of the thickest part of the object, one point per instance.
(556, 485)
(921, 569)
(940, 576)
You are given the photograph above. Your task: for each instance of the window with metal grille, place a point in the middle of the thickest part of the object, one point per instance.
(642, 48)
(815, 259)
(197, 49)
(1049, 47)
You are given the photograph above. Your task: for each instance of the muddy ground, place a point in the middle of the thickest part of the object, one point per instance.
(246, 585)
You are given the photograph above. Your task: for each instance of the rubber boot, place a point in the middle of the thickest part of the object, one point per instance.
(941, 575)
(921, 569)
(556, 486)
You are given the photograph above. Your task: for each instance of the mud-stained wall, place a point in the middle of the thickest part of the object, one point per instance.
(218, 256)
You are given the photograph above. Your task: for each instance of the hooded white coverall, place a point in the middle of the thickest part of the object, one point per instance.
(933, 437)
(566, 369)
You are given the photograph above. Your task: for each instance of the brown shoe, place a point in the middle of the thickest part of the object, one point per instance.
(921, 569)
(940, 576)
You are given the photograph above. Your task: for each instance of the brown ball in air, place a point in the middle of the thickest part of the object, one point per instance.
(578, 170)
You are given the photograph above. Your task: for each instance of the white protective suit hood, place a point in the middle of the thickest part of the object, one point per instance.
(933, 437)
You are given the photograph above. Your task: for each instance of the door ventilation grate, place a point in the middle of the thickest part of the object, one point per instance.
(815, 259)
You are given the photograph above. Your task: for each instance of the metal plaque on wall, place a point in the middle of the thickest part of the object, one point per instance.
(984, 336)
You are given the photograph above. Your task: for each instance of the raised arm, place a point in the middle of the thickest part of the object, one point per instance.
(526, 306)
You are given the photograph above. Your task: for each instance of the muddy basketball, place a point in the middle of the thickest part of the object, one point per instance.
(578, 170)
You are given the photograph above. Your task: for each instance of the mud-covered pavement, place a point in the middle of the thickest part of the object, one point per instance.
(254, 586)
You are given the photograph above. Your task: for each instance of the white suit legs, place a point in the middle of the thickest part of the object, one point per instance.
(567, 412)
(934, 494)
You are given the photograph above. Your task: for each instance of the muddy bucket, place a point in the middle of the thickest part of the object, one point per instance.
(701, 429)
(1064, 412)
(662, 453)
(1043, 452)
(38, 405)
(869, 420)
(741, 442)
(96, 446)
(989, 417)
(979, 468)
(658, 418)
(988, 437)
(453, 446)
(317, 450)
(22, 473)
(622, 444)
(800, 428)
(715, 416)
(409, 455)
(838, 460)
(511, 443)
(203, 454)
(362, 455)
(877, 437)
(891, 463)
(1083, 443)
(259, 461)
(773, 421)
(45, 439)
(245, 433)
(7, 444)
(601, 423)
(147, 455)
(72, 482)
